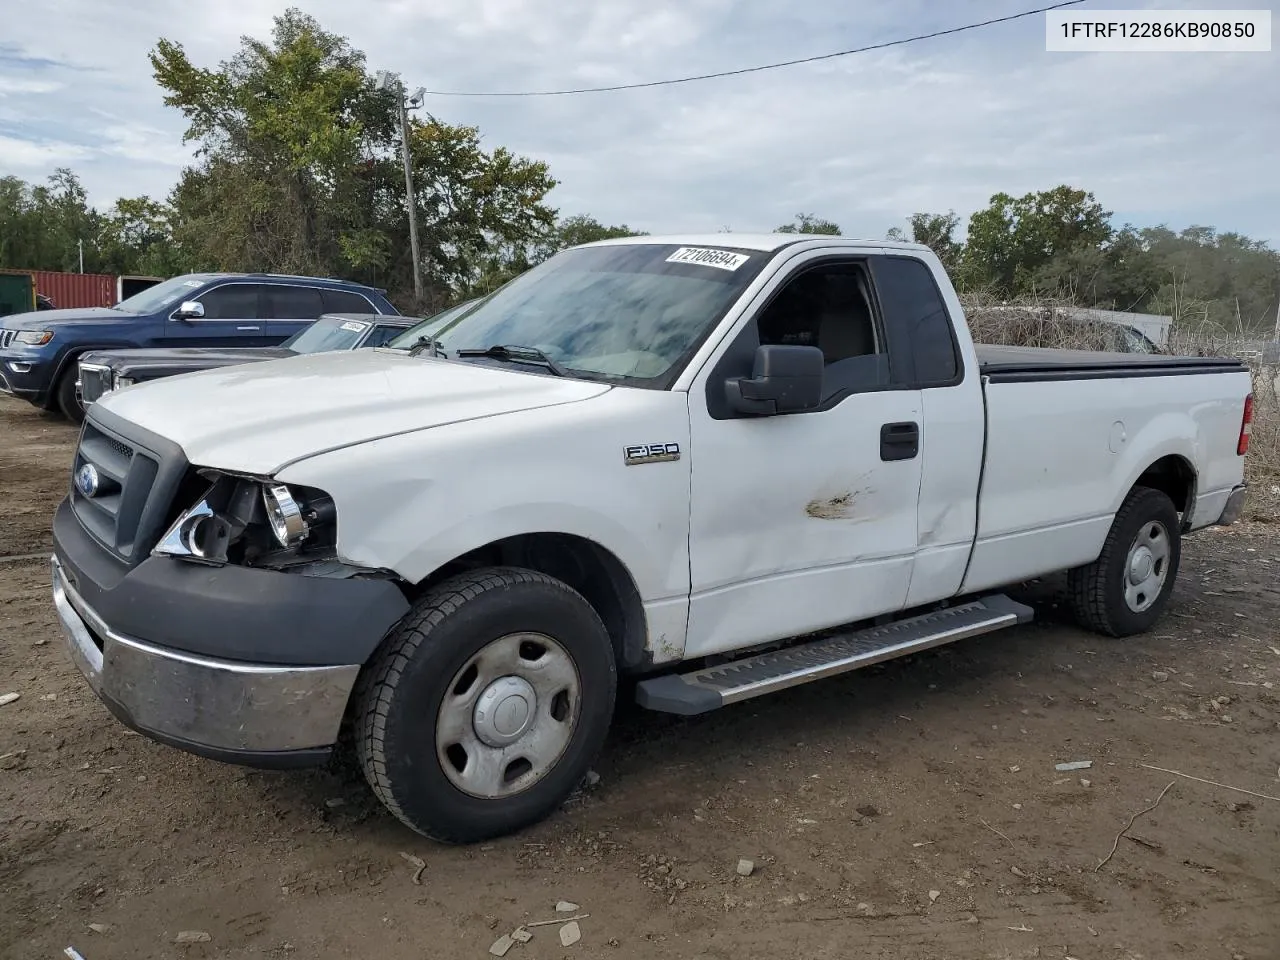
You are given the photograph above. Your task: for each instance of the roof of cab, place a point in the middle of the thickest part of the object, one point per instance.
(756, 241)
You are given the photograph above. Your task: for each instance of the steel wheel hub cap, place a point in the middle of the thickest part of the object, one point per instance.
(505, 711)
(1140, 565)
(1147, 567)
(508, 716)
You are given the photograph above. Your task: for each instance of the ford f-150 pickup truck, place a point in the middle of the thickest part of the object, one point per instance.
(719, 466)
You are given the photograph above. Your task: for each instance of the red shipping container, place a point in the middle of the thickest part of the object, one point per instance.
(76, 290)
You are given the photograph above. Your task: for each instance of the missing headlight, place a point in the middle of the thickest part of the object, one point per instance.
(253, 522)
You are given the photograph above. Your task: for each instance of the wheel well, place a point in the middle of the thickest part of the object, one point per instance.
(584, 565)
(1175, 478)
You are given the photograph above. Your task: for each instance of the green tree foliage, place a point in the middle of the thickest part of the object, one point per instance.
(808, 223)
(1014, 239)
(42, 225)
(936, 231)
(299, 170)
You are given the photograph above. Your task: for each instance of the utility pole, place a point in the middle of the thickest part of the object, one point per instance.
(80, 247)
(386, 80)
(412, 199)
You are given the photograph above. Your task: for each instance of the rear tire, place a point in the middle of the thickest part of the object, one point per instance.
(66, 397)
(486, 706)
(1126, 589)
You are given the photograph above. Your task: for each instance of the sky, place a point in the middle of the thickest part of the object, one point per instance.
(865, 140)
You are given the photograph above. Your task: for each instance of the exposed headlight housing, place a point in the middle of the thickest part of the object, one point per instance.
(34, 338)
(288, 525)
(118, 381)
(253, 522)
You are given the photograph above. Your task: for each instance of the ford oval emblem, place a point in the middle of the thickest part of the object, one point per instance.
(87, 481)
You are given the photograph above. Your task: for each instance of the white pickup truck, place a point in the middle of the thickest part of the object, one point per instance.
(716, 466)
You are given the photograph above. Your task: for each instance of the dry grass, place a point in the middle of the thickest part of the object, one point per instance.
(1044, 324)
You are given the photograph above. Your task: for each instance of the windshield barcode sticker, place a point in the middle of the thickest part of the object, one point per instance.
(720, 259)
(355, 326)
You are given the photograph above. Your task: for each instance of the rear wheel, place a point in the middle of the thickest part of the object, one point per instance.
(487, 705)
(1126, 589)
(68, 397)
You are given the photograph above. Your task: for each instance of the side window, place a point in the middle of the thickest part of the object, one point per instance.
(294, 303)
(830, 307)
(913, 305)
(382, 335)
(232, 301)
(343, 301)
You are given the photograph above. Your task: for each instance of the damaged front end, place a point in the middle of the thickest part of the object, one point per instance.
(256, 522)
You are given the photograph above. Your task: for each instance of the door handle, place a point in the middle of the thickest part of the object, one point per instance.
(248, 328)
(899, 441)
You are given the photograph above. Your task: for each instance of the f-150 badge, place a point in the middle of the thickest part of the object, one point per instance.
(650, 453)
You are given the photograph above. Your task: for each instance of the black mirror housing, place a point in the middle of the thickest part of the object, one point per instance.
(784, 379)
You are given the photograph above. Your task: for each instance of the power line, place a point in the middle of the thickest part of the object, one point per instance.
(757, 69)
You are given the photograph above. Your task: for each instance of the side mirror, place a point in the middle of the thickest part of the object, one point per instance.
(189, 310)
(784, 379)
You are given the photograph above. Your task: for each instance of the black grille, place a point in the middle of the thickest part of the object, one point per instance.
(6, 338)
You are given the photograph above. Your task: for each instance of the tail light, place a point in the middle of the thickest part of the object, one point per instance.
(1246, 427)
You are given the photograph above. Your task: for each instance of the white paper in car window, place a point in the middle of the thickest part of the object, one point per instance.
(704, 257)
(355, 326)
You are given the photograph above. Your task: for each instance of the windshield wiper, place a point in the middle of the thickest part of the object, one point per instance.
(517, 354)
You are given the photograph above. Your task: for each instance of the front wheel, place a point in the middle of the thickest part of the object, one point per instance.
(68, 397)
(486, 706)
(1126, 589)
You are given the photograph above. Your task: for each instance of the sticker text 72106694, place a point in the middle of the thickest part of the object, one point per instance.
(720, 259)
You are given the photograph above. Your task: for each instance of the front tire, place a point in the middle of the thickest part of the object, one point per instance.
(67, 399)
(487, 705)
(1126, 589)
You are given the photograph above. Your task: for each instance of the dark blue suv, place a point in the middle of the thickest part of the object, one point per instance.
(38, 350)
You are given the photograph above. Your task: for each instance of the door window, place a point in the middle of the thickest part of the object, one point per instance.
(829, 306)
(234, 301)
(294, 303)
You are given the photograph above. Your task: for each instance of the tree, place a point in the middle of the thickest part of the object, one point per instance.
(936, 231)
(298, 170)
(1012, 239)
(808, 223)
(42, 226)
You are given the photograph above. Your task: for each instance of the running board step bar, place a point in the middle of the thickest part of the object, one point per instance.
(704, 690)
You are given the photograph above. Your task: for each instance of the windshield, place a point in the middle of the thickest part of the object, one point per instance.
(328, 333)
(429, 326)
(630, 311)
(162, 294)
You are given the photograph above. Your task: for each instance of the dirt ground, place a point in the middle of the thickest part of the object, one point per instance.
(908, 811)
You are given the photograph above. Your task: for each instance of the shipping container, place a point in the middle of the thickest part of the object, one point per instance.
(17, 293)
(127, 286)
(76, 290)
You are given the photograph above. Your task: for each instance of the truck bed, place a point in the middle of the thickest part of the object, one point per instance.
(1069, 432)
(1024, 364)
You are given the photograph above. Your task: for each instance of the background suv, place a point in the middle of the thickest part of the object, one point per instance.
(39, 350)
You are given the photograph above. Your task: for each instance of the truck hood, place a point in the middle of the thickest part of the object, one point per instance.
(258, 417)
(53, 319)
(181, 358)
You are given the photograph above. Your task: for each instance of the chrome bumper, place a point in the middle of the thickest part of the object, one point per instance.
(1235, 505)
(224, 708)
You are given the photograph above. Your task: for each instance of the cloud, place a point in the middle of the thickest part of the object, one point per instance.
(866, 140)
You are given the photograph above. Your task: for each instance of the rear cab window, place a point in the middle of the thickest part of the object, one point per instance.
(917, 321)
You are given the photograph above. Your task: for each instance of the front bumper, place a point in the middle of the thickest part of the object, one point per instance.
(25, 374)
(243, 665)
(243, 713)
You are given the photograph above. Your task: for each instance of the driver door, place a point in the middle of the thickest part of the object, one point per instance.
(233, 317)
(807, 520)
